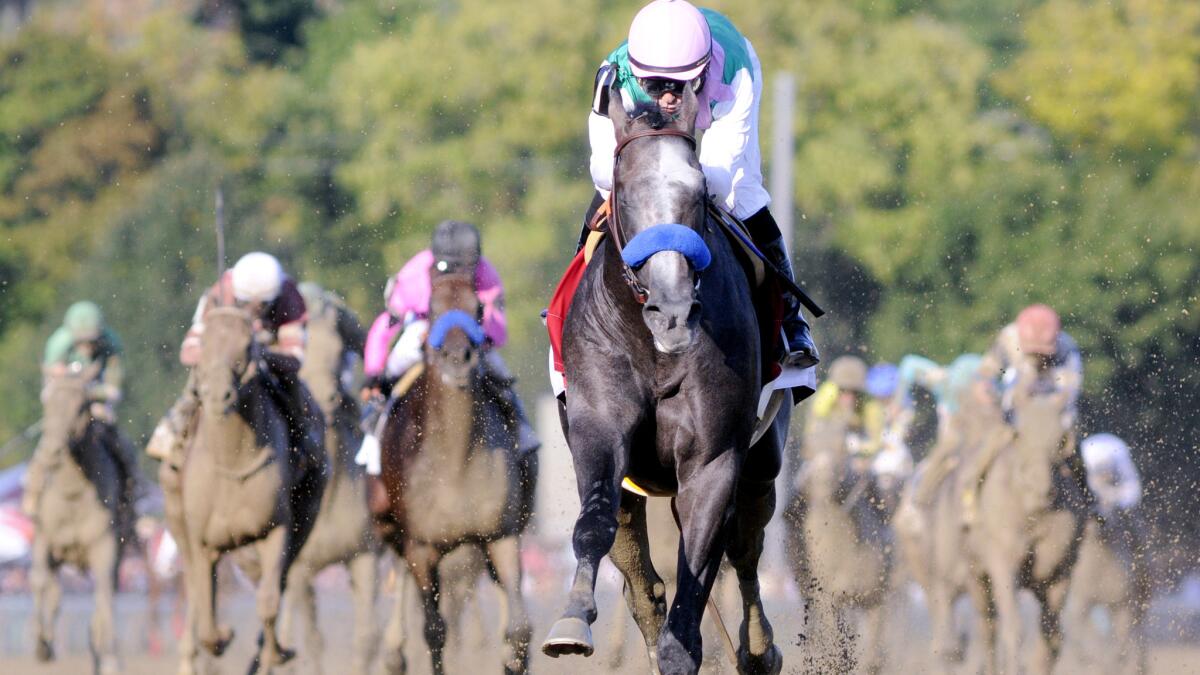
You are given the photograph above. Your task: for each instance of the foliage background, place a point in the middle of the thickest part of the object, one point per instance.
(955, 161)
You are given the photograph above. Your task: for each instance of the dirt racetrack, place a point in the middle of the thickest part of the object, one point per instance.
(474, 648)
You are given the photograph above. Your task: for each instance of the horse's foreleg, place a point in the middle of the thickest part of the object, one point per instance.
(394, 634)
(1008, 621)
(1051, 600)
(423, 563)
(599, 468)
(703, 510)
(47, 594)
(505, 557)
(202, 600)
(985, 612)
(645, 591)
(300, 609)
(276, 552)
(754, 505)
(364, 570)
(102, 562)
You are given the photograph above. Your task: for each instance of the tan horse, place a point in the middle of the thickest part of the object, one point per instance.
(343, 533)
(76, 517)
(1111, 575)
(1031, 520)
(840, 543)
(242, 484)
(931, 536)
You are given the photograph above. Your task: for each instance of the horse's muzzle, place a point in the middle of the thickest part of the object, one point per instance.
(674, 325)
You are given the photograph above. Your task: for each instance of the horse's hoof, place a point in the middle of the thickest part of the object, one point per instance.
(284, 656)
(395, 664)
(770, 663)
(569, 636)
(224, 637)
(45, 651)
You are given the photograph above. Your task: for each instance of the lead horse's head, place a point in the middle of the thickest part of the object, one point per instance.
(658, 213)
(452, 349)
(226, 358)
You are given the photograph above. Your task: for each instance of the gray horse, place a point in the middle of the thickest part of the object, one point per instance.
(841, 550)
(1031, 520)
(665, 366)
(931, 536)
(76, 517)
(242, 484)
(343, 533)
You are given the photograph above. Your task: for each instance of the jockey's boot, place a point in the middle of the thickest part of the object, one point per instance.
(802, 351)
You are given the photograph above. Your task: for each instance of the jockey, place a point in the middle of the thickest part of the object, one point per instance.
(456, 248)
(894, 459)
(949, 385)
(672, 44)
(843, 395)
(258, 284)
(1035, 352)
(82, 341)
(1034, 355)
(1111, 474)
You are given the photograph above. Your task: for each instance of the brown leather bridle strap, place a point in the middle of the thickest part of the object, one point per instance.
(614, 221)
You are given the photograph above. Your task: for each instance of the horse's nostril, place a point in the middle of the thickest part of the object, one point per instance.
(694, 313)
(653, 309)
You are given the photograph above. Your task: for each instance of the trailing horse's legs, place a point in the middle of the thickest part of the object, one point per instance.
(703, 511)
(984, 596)
(364, 570)
(505, 557)
(393, 635)
(47, 594)
(422, 562)
(102, 562)
(600, 465)
(275, 555)
(755, 503)
(645, 591)
(1051, 600)
(300, 608)
(943, 637)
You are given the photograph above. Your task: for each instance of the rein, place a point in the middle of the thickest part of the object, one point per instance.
(640, 293)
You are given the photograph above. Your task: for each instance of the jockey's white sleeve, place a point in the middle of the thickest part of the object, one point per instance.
(604, 143)
(729, 152)
(407, 352)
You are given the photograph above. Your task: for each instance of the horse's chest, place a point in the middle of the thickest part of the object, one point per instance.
(243, 510)
(447, 501)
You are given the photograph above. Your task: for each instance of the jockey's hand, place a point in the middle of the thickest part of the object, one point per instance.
(102, 412)
(56, 369)
(369, 393)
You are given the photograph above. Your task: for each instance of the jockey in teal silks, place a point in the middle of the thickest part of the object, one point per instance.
(85, 340)
(673, 45)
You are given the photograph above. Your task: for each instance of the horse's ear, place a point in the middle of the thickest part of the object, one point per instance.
(616, 112)
(689, 109)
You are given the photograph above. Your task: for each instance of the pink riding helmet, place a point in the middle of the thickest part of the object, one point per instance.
(669, 38)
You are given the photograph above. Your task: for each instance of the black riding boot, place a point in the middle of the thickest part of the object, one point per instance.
(802, 351)
(588, 216)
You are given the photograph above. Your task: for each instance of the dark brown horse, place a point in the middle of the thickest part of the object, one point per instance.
(453, 473)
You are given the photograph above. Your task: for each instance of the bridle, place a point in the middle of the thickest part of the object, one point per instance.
(640, 292)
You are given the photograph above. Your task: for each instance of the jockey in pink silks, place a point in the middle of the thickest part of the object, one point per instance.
(456, 248)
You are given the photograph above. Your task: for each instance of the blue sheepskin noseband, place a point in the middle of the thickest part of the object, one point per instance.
(455, 318)
(667, 237)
